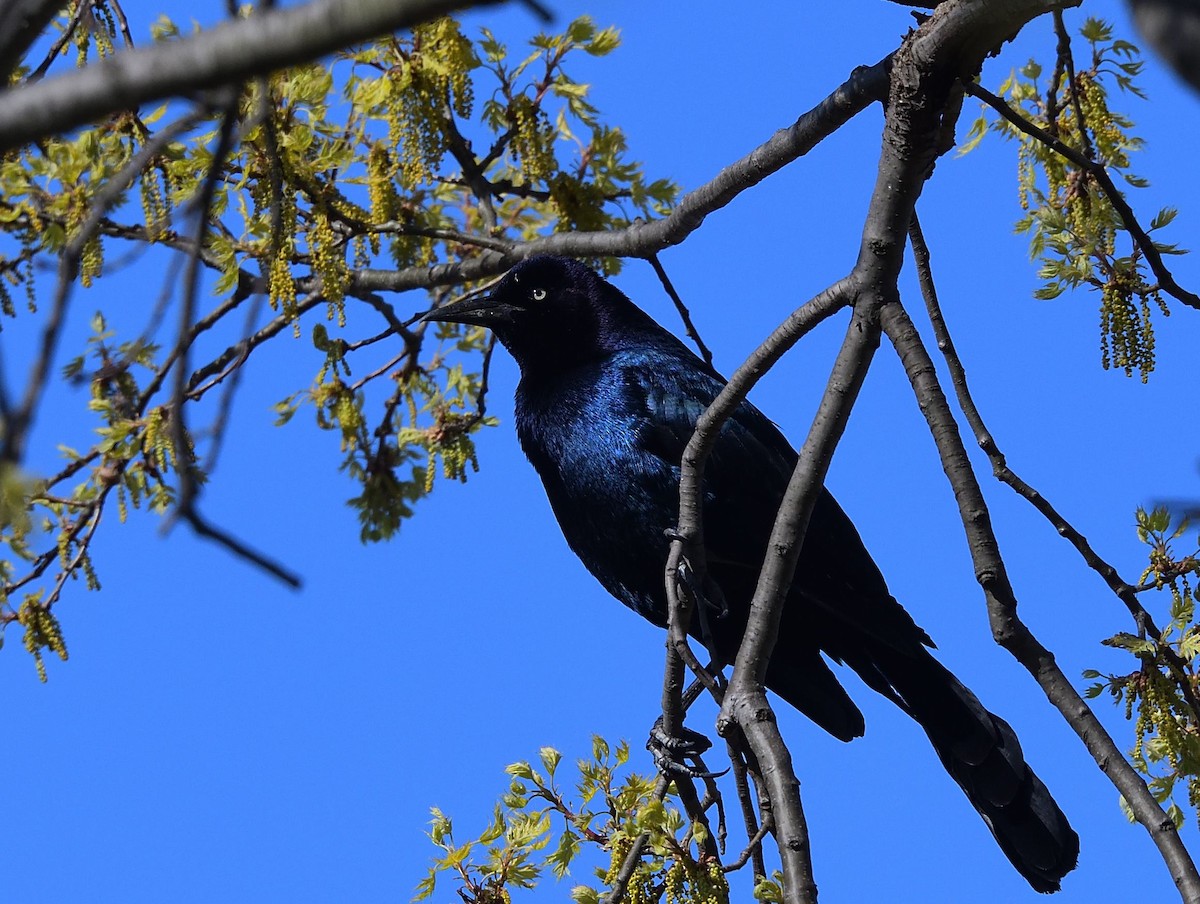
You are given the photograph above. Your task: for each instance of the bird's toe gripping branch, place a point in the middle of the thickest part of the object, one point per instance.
(670, 751)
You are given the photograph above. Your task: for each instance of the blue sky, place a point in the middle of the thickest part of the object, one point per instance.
(216, 737)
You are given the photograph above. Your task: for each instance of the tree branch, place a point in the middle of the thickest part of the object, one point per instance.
(1007, 628)
(865, 85)
(684, 314)
(923, 72)
(21, 23)
(1124, 591)
(229, 53)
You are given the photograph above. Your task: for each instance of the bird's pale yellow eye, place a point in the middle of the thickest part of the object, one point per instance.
(538, 294)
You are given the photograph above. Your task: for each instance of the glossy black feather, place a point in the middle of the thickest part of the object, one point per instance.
(606, 404)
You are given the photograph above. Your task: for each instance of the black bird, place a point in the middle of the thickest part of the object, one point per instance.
(606, 403)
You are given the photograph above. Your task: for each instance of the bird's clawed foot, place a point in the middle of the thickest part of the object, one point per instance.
(670, 751)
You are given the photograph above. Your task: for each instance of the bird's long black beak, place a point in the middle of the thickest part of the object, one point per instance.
(482, 311)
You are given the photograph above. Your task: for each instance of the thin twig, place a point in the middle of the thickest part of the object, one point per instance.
(684, 314)
(82, 8)
(1068, 62)
(225, 404)
(864, 86)
(754, 831)
(191, 281)
(82, 550)
(753, 848)
(206, 529)
(379, 371)
(185, 507)
(122, 22)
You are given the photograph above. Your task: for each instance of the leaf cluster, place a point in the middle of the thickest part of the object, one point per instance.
(1075, 232)
(402, 154)
(610, 809)
(1160, 695)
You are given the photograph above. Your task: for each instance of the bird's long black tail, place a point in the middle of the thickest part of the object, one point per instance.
(982, 754)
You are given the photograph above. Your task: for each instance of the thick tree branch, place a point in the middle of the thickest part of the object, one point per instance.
(865, 85)
(745, 702)
(1007, 628)
(1124, 591)
(21, 23)
(923, 72)
(229, 53)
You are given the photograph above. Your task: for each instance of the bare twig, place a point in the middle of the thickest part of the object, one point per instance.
(225, 405)
(122, 22)
(83, 543)
(82, 8)
(186, 507)
(206, 529)
(191, 280)
(684, 314)
(865, 85)
(754, 831)
(753, 849)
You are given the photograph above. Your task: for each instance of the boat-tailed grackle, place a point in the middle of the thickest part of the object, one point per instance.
(606, 403)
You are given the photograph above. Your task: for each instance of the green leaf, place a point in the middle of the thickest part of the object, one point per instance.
(599, 748)
(581, 30)
(1190, 645)
(583, 894)
(1165, 216)
(560, 859)
(550, 759)
(1126, 809)
(1175, 815)
(978, 129)
(1049, 291)
(1131, 642)
(604, 42)
(769, 891)
(425, 886)
(520, 770)
(496, 829)
(439, 827)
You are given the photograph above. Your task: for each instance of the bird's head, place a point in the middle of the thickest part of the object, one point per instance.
(547, 311)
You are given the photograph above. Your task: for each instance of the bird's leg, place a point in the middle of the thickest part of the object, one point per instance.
(670, 750)
(708, 596)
